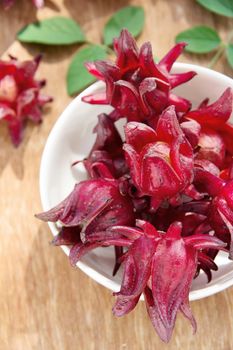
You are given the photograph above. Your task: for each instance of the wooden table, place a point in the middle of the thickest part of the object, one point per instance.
(44, 303)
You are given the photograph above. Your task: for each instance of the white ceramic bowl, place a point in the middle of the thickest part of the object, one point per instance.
(71, 138)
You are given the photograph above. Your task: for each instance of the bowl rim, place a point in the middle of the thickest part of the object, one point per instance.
(96, 276)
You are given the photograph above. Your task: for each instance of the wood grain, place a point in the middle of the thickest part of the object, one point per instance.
(45, 304)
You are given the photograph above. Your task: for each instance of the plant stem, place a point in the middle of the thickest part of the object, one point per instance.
(218, 54)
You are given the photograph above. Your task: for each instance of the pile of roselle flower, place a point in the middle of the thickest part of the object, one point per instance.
(164, 197)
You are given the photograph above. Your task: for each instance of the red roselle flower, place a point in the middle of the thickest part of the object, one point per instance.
(20, 96)
(93, 205)
(161, 160)
(162, 266)
(217, 133)
(162, 198)
(8, 3)
(136, 86)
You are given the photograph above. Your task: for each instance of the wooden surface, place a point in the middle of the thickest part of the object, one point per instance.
(44, 303)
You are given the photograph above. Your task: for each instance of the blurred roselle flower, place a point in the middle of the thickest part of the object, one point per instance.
(160, 161)
(8, 3)
(20, 96)
(38, 3)
(137, 87)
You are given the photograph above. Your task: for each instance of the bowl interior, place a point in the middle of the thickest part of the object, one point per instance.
(71, 139)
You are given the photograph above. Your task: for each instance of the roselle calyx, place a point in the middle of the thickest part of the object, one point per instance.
(162, 266)
(161, 160)
(94, 205)
(136, 86)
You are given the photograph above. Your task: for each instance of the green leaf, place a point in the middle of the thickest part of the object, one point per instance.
(52, 31)
(78, 77)
(200, 39)
(229, 53)
(221, 7)
(130, 17)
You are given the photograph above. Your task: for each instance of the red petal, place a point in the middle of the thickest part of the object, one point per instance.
(107, 136)
(168, 127)
(16, 131)
(137, 267)
(173, 269)
(215, 114)
(230, 228)
(126, 100)
(157, 176)
(6, 112)
(192, 192)
(204, 242)
(192, 130)
(187, 312)
(148, 229)
(106, 70)
(163, 331)
(208, 261)
(181, 104)
(111, 73)
(182, 159)
(92, 69)
(181, 78)
(169, 59)
(211, 146)
(118, 255)
(150, 69)
(123, 305)
(79, 250)
(43, 99)
(226, 131)
(207, 182)
(132, 159)
(138, 135)
(129, 232)
(153, 99)
(67, 236)
(174, 230)
(126, 51)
